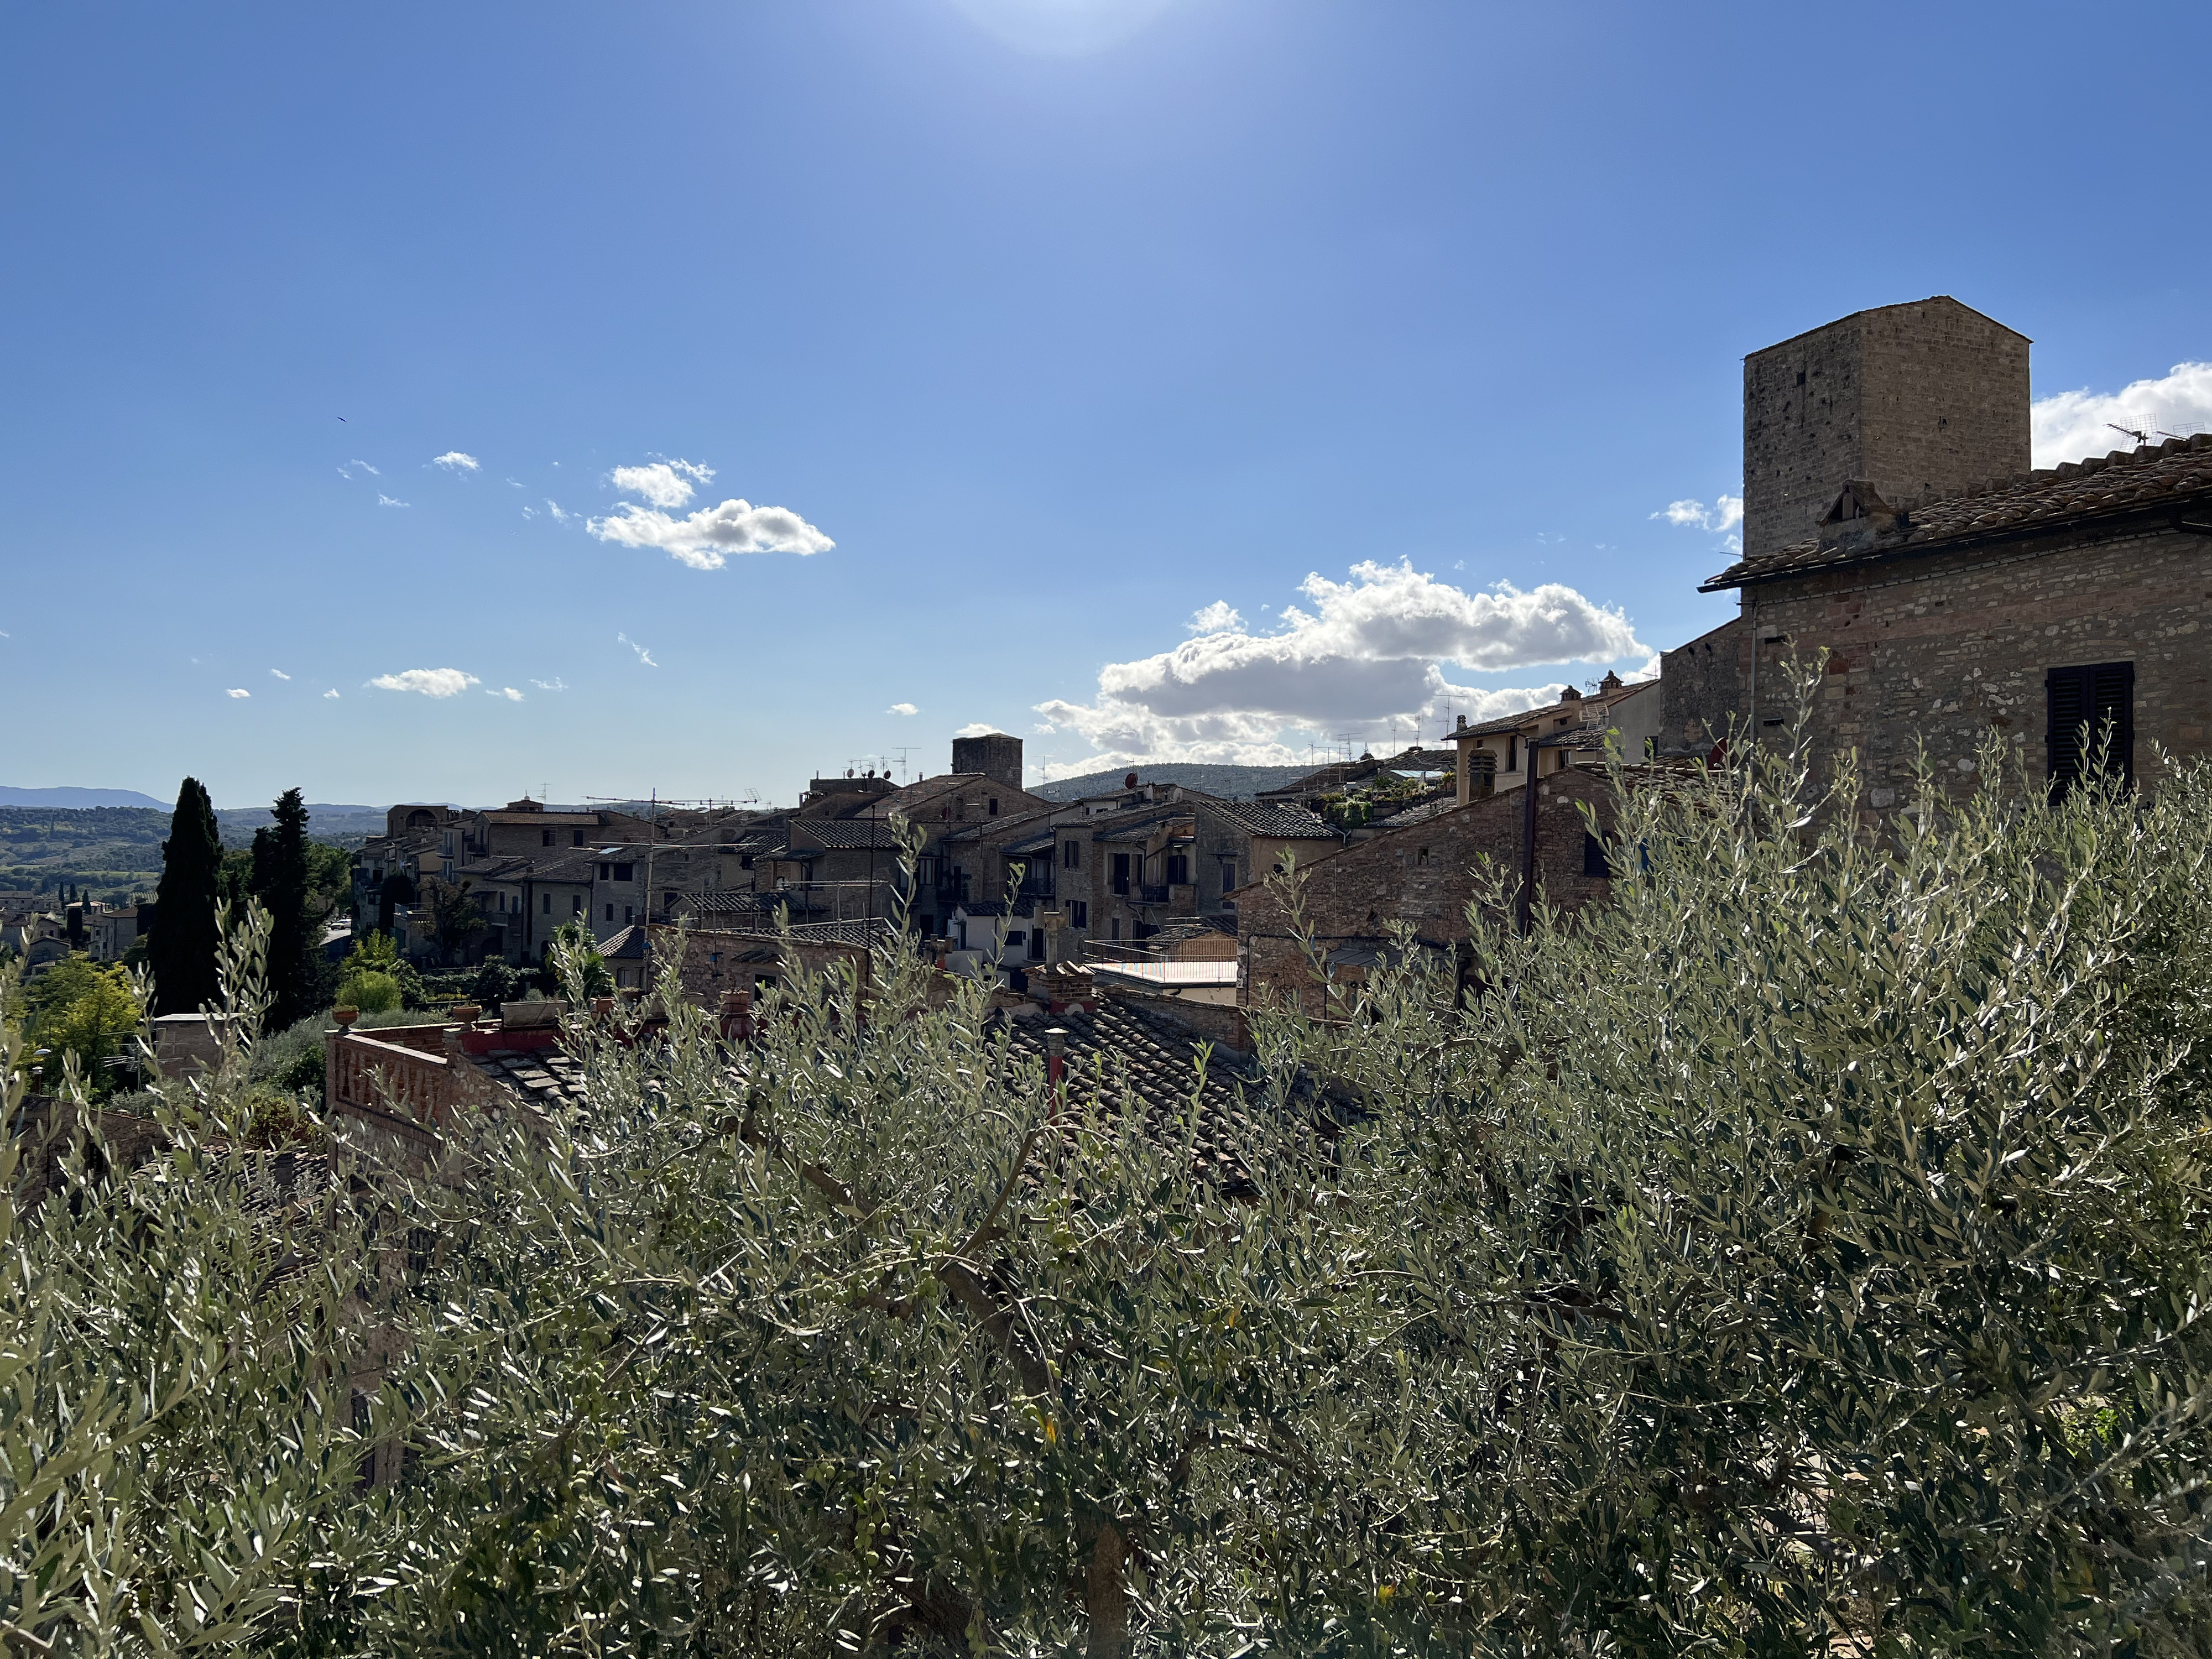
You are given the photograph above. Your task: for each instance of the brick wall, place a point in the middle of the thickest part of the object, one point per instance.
(1425, 875)
(1954, 646)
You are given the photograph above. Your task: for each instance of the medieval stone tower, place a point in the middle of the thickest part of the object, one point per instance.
(1922, 400)
(996, 755)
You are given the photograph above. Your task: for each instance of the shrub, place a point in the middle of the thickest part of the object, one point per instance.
(371, 992)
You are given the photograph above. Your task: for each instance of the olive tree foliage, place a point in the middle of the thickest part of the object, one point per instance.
(1803, 1252)
(173, 1412)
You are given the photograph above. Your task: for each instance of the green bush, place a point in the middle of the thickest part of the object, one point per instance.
(371, 992)
(292, 1059)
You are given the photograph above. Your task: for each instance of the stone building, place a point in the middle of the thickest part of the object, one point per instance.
(1425, 874)
(1496, 757)
(1959, 594)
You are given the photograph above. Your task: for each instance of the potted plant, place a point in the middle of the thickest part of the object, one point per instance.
(345, 1013)
(467, 1012)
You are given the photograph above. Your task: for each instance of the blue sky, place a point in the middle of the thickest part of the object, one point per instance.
(1190, 377)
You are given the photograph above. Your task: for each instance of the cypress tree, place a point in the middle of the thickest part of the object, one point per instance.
(280, 882)
(181, 950)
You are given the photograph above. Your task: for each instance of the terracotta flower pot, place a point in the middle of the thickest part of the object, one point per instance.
(602, 1006)
(345, 1014)
(468, 1013)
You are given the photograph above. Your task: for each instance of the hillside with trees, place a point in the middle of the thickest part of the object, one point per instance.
(114, 853)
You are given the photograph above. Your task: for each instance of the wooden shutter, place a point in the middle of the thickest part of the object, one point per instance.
(2097, 702)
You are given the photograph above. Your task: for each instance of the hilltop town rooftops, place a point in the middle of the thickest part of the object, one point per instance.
(2173, 479)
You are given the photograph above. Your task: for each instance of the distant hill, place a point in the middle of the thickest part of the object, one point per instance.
(340, 825)
(1229, 782)
(115, 851)
(70, 796)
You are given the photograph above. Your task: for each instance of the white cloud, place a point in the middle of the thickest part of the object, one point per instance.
(515, 483)
(1725, 514)
(644, 656)
(453, 461)
(977, 729)
(553, 507)
(705, 539)
(383, 500)
(2069, 425)
(554, 684)
(333, 692)
(238, 691)
(280, 674)
(664, 483)
(1370, 655)
(506, 691)
(346, 471)
(902, 708)
(430, 681)
(1219, 617)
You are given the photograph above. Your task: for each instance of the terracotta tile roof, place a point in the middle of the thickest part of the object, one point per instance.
(1278, 821)
(2173, 477)
(839, 834)
(627, 945)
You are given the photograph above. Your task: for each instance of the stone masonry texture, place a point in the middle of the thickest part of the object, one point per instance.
(1951, 648)
(1426, 874)
(1924, 400)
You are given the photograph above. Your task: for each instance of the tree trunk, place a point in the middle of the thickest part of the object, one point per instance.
(1106, 1593)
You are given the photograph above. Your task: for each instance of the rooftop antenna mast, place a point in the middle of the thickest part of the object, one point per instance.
(2141, 438)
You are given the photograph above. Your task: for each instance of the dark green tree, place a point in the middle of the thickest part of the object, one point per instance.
(181, 951)
(281, 883)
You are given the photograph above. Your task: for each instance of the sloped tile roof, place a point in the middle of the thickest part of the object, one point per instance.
(839, 835)
(1278, 821)
(2176, 474)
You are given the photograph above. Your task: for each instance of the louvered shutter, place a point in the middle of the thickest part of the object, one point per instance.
(2096, 700)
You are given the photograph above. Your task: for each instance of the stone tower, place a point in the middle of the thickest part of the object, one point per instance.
(996, 755)
(1921, 400)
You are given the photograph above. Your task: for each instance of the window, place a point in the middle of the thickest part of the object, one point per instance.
(1121, 876)
(994, 806)
(1421, 858)
(629, 913)
(549, 903)
(1017, 937)
(622, 871)
(1079, 914)
(546, 837)
(2096, 702)
(1594, 859)
(1228, 874)
(611, 912)
(576, 905)
(1513, 753)
(1070, 855)
(1178, 869)
(606, 873)
(575, 838)
(1117, 927)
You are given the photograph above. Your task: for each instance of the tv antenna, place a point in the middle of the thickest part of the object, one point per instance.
(2141, 438)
